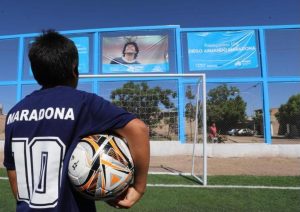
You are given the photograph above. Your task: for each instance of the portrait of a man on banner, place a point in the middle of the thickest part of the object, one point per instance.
(135, 54)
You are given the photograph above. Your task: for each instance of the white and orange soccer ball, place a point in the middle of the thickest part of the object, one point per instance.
(101, 167)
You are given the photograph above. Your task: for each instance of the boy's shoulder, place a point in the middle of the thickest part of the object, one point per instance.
(59, 92)
(53, 96)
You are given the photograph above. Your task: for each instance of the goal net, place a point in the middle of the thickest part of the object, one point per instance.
(174, 108)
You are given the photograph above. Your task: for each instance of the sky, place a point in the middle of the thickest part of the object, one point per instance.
(32, 16)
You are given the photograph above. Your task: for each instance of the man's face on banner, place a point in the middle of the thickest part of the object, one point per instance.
(130, 49)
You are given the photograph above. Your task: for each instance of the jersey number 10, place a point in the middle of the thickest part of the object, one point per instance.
(38, 166)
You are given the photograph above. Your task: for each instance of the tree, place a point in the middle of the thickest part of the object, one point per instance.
(172, 122)
(289, 113)
(225, 107)
(258, 122)
(147, 103)
(190, 108)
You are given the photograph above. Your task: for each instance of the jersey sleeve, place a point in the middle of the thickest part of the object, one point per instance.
(104, 116)
(8, 162)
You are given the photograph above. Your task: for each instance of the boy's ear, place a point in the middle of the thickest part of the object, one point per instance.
(75, 71)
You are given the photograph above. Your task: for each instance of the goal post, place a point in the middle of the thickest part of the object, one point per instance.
(173, 106)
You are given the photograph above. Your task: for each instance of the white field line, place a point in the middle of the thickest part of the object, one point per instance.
(171, 173)
(213, 186)
(224, 186)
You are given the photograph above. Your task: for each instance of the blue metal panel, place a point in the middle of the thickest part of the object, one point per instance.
(266, 104)
(2, 37)
(96, 59)
(120, 29)
(284, 79)
(8, 83)
(231, 80)
(20, 67)
(296, 26)
(28, 35)
(28, 82)
(181, 93)
(134, 79)
(178, 50)
(181, 121)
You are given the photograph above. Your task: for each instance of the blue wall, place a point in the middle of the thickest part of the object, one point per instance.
(22, 81)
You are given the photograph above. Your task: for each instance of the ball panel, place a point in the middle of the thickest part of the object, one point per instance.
(124, 149)
(78, 165)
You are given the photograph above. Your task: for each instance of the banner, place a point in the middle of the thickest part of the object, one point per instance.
(82, 45)
(135, 54)
(222, 50)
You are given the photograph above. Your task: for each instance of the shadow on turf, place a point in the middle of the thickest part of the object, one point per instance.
(180, 173)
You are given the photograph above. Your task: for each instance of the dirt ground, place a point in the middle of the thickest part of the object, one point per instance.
(229, 166)
(225, 166)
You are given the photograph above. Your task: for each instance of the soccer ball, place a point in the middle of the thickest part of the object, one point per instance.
(101, 167)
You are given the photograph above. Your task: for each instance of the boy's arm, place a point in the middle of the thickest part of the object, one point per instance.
(137, 135)
(12, 176)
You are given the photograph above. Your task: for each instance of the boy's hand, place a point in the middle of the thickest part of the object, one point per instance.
(126, 200)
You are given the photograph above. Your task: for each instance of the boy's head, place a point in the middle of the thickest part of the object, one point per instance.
(54, 60)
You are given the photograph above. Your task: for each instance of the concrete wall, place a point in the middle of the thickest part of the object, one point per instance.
(2, 124)
(169, 148)
(165, 148)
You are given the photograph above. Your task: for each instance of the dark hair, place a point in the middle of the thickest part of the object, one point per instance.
(135, 46)
(53, 59)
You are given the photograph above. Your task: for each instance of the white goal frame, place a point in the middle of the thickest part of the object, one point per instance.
(202, 79)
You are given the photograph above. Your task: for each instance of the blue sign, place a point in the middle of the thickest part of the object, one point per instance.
(82, 45)
(222, 50)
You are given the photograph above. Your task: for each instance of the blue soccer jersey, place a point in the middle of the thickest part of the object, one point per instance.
(41, 132)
